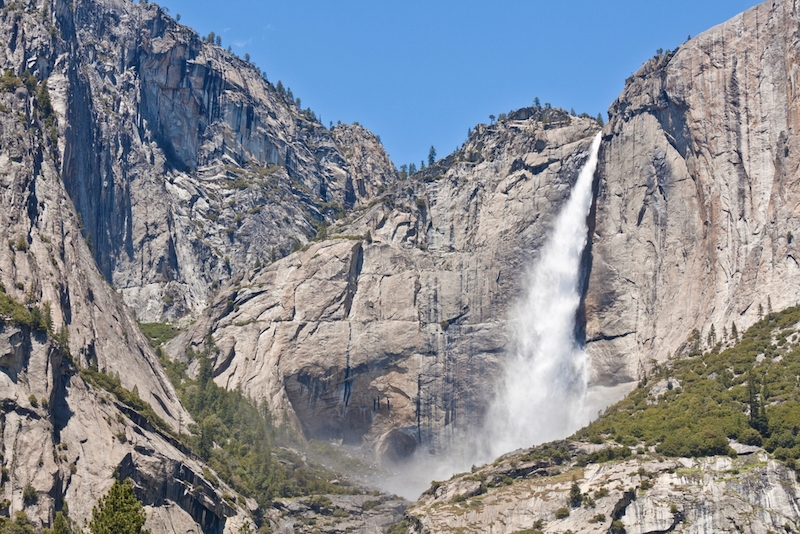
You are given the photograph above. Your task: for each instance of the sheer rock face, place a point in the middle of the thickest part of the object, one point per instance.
(58, 435)
(697, 209)
(392, 336)
(184, 163)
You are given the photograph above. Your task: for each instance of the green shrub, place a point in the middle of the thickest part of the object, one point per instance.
(749, 436)
(575, 498)
(562, 513)
(17, 313)
(399, 528)
(369, 505)
(20, 525)
(29, 495)
(9, 81)
(599, 518)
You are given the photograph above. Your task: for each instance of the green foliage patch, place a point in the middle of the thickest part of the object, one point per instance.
(747, 392)
(118, 512)
(240, 441)
(19, 525)
(158, 333)
(17, 313)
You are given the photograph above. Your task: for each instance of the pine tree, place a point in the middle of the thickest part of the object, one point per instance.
(118, 512)
(431, 156)
(758, 414)
(575, 495)
(734, 332)
(61, 524)
(712, 336)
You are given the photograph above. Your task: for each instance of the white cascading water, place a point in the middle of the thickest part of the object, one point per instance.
(543, 395)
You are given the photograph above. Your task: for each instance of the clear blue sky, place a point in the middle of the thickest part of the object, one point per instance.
(420, 73)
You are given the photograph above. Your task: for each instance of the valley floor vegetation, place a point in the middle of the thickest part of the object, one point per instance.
(238, 439)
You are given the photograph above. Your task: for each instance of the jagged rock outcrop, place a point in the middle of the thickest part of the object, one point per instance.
(184, 163)
(392, 334)
(66, 441)
(362, 514)
(697, 184)
(751, 493)
(60, 438)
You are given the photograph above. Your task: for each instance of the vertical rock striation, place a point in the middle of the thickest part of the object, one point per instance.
(61, 438)
(184, 163)
(697, 185)
(392, 334)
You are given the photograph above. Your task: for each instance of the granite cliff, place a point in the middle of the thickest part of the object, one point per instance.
(199, 167)
(61, 437)
(691, 229)
(148, 173)
(697, 191)
(392, 334)
(90, 127)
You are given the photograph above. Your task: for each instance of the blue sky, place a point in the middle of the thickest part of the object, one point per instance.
(421, 73)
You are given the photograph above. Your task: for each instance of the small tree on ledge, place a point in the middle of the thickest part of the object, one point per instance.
(118, 512)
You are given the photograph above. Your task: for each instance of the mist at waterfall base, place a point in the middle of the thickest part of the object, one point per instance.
(543, 393)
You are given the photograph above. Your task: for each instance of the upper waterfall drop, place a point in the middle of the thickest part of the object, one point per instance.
(543, 393)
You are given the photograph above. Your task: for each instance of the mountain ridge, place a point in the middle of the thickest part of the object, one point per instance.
(148, 168)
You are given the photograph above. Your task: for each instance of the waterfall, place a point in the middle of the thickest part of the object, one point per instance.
(544, 387)
(542, 396)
